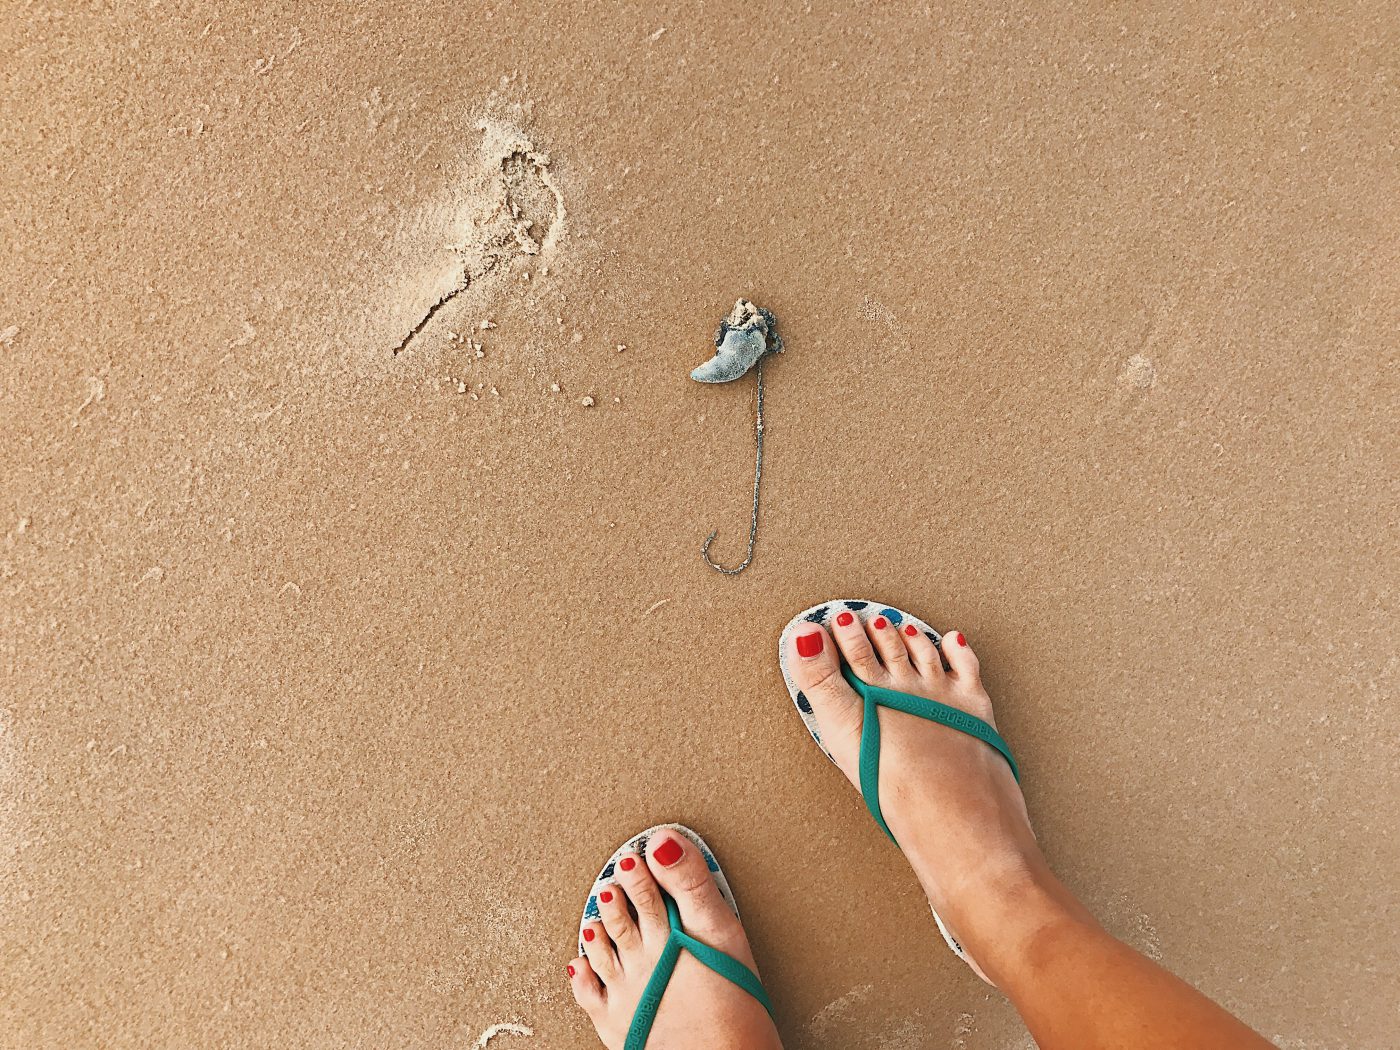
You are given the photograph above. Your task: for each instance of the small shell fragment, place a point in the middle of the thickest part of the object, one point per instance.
(744, 336)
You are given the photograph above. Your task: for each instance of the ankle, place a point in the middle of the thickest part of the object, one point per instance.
(1008, 910)
(964, 871)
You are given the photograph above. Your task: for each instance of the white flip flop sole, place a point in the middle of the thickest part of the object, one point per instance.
(866, 610)
(637, 844)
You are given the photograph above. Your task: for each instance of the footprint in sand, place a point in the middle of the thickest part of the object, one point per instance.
(511, 208)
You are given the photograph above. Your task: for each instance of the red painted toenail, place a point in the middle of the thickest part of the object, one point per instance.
(810, 644)
(844, 620)
(569, 970)
(910, 630)
(669, 851)
(880, 623)
(961, 640)
(605, 896)
(627, 863)
(588, 935)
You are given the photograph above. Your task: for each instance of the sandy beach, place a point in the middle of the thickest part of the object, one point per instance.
(352, 489)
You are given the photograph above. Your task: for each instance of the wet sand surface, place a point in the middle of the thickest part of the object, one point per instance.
(330, 674)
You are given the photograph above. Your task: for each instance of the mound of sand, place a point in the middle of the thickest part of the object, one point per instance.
(509, 207)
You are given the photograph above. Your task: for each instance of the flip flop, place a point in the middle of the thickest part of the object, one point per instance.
(876, 697)
(728, 967)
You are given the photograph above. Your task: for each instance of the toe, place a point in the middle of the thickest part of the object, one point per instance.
(815, 664)
(923, 653)
(962, 661)
(617, 921)
(644, 894)
(597, 945)
(889, 645)
(681, 870)
(587, 989)
(812, 657)
(855, 646)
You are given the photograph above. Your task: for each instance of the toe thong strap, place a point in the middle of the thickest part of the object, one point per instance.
(728, 967)
(876, 697)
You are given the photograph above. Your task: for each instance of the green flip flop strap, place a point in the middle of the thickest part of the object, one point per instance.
(876, 697)
(728, 967)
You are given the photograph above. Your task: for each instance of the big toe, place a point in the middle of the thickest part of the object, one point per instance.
(814, 662)
(683, 873)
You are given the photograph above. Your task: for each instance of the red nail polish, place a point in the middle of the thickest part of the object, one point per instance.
(880, 623)
(961, 640)
(627, 863)
(670, 851)
(588, 935)
(844, 620)
(910, 630)
(569, 970)
(810, 644)
(605, 896)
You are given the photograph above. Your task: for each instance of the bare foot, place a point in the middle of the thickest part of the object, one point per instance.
(950, 800)
(700, 1009)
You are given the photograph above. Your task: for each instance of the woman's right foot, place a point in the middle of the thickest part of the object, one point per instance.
(958, 814)
(949, 799)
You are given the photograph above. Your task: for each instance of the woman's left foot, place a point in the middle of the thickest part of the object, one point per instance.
(700, 1010)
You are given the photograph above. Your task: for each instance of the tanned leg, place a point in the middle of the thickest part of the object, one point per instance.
(958, 814)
